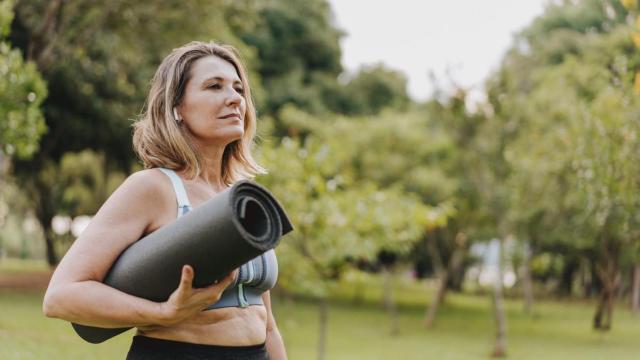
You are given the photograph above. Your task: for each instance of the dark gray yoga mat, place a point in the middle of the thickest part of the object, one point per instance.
(216, 237)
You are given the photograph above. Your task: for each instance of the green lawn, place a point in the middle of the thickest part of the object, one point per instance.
(464, 330)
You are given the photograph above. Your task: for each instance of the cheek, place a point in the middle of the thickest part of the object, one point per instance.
(243, 109)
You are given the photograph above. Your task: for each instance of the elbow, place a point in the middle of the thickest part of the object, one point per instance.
(273, 331)
(50, 304)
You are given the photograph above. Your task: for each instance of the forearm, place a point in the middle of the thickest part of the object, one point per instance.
(96, 304)
(275, 345)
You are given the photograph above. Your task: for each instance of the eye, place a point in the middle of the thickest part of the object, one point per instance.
(216, 86)
(240, 90)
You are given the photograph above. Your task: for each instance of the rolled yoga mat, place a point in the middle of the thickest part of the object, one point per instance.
(215, 238)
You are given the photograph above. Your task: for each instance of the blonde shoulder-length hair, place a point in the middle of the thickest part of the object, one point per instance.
(158, 138)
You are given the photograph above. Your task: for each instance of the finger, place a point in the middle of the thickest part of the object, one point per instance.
(220, 283)
(226, 280)
(214, 291)
(231, 277)
(207, 295)
(186, 280)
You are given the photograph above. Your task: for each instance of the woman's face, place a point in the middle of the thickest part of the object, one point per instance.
(213, 107)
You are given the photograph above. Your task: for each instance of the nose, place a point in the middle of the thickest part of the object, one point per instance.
(233, 98)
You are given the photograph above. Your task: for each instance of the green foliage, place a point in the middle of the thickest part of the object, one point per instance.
(80, 182)
(629, 4)
(565, 100)
(85, 181)
(583, 16)
(342, 214)
(296, 43)
(22, 91)
(546, 158)
(546, 265)
(299, 62)
(6, 16)
(20, 232)
(97, 72)
(374, 88)
(392, 149)
(97, 58)
(574, 135)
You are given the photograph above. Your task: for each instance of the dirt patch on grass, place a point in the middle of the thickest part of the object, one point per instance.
(28, 280)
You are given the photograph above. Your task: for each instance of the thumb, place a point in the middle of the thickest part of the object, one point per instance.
(186, 279)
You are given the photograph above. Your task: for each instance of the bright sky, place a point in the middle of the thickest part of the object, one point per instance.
(466, 38)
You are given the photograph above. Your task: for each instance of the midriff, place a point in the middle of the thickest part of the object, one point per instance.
(233, 326)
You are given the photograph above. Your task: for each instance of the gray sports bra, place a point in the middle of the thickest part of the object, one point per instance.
(254, 277)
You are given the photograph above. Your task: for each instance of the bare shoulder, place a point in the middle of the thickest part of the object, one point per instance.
(143, 200)
(147, 181)
(145, 194)
(148, 186)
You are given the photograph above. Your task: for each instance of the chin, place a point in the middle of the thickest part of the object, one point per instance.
(239, 133)
(236, 135)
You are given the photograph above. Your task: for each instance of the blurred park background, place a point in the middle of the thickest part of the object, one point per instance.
(435, 229)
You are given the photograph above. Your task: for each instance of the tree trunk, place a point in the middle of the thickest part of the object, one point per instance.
(567, 275)
(604, 310)
(454, 264)
(389, 303)
(439, 298)
(586, 278)
(527, 282)
(609, 309)
(500, 345)
(635, 290)
(609, 274)
(322, 333)
(434, 255)
(52, 259)
(443, 278)
(44, 213)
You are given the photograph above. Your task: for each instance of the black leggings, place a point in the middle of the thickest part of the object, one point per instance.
(146, 348)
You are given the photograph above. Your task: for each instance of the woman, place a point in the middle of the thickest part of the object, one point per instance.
(194, 139)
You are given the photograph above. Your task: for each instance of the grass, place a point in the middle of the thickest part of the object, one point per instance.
(463, 330)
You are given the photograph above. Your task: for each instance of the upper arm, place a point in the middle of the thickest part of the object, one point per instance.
(134, 208)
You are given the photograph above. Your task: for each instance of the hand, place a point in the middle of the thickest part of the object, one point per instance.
(186, 301)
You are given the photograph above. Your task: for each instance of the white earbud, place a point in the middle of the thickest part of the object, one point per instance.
(176, 115)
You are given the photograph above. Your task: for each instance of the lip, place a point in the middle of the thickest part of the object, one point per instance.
(233, 115)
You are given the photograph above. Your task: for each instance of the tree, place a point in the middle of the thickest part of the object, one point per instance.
(22, 91)
(461, 165)
(374, 88)
(340, 215)
(97, 75)
(632, 7)
(565, 90)
(299, 51)
(79, 184)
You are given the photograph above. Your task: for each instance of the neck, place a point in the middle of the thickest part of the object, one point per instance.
(211, 171)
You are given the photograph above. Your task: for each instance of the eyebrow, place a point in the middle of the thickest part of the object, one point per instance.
(220, 78)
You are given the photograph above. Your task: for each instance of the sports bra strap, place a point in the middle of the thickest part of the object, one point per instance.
(181, 194)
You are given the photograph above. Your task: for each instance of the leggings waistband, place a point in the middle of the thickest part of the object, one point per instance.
(143, 347)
